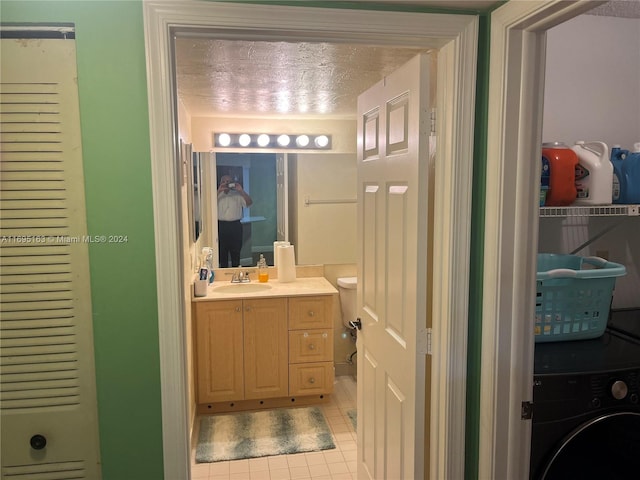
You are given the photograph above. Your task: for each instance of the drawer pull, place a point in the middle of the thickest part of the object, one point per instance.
(325, 335)
(237, 309)
(312, 346)
(312, 380)
(312, 313)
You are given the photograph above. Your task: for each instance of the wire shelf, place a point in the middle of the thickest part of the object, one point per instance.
(588, 211)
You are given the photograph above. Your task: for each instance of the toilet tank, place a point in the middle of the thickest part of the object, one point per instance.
(347, 288)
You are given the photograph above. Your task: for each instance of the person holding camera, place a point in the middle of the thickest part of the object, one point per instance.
(231, 200)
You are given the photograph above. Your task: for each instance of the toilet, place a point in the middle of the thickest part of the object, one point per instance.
(347, 288)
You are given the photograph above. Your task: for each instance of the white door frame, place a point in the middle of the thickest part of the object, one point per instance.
(456, 38)
(516, 87)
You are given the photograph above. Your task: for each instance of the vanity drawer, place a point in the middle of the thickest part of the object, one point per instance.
(311, 378)
(310, 346)
(310, 312)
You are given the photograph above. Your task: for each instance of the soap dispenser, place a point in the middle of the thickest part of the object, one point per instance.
(263, 270)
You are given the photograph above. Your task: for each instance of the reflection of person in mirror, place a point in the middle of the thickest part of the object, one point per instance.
(231, 200)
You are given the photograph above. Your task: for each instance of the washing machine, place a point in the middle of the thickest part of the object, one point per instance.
(586, 408)
(626, 322)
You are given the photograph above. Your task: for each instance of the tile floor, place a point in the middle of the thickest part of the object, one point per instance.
(336, 464)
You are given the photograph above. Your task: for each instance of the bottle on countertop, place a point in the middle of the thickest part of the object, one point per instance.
(263, 270)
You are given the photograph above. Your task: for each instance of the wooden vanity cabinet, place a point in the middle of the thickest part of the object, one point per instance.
(241, 349)
(253, 352)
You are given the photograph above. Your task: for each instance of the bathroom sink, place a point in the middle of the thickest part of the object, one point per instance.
(242, 288)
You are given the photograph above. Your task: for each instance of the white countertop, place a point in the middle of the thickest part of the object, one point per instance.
(273, 288)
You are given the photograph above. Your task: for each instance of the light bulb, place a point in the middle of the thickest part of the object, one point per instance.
(302, 141)
(244, 140)
(263, 140)
(321, 141)
(284, 140)
(224, 139)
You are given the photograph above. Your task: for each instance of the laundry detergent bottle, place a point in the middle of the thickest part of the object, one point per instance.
(562, 163)
(593, 174)
(631, 172)
(619, 184)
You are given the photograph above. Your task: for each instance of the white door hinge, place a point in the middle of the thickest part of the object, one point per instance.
(423, 344)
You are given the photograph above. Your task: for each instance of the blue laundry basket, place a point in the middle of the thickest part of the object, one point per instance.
(573, 296)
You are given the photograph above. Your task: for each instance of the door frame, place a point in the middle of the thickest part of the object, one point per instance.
(456, 37)
(514, 136)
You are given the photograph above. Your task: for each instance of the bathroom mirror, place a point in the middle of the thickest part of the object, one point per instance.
(256, 172)
(307, 199)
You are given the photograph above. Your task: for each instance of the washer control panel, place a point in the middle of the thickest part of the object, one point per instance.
(561, 396)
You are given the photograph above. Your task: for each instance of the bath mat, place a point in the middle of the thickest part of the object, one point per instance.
(259, 434)
(353, 416)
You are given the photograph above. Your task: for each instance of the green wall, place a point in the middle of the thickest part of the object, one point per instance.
(115, 134)
(117, 167)
(477, 253)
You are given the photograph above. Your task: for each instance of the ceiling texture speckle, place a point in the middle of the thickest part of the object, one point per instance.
(232, 77)
(217, 77)
(618, 8)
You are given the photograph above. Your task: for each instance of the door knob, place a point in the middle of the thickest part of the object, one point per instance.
(357, 323)
(38, 442)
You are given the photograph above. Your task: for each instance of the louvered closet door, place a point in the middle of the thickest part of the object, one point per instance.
(47, 363)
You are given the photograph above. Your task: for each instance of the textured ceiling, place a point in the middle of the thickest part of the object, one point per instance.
(232, 77)
(618, 8)
(251, 78)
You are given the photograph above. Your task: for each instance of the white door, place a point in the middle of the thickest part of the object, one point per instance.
(48, 396)
(393, 135)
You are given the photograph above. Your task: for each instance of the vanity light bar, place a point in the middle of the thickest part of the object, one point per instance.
(272, 140)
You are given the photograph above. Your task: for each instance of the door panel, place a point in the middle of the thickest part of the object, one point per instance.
(220, 351)
(46, 325)
(393, 132)
(266, 340)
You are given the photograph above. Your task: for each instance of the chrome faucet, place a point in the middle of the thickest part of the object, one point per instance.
(240, 277)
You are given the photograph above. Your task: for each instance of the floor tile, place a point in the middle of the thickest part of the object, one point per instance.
(333, 456)
(278, 462)
(319, 470)
(298, 460)
(339, 467)
(280, 474)
(315, 458)
(299, 472)
(260, 475)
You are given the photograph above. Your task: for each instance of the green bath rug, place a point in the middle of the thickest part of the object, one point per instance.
(259, 434)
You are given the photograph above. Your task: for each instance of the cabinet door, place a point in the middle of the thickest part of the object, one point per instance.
(219, 356)
(310, 312)
(265, 348)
